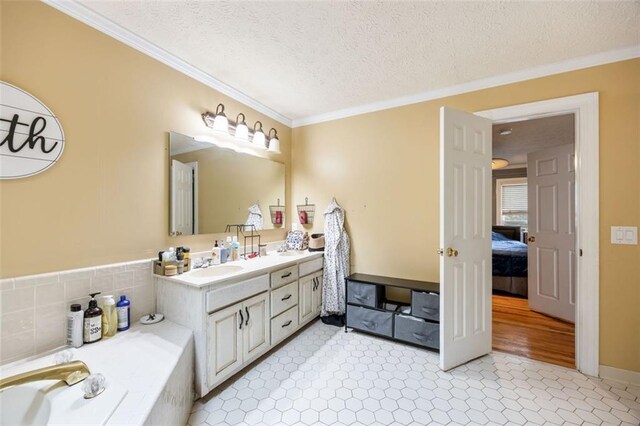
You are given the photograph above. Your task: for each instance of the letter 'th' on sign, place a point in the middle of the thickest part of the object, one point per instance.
(31, 137)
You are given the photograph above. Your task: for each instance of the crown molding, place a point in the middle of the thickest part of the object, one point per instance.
(485, 83)
(102, 24)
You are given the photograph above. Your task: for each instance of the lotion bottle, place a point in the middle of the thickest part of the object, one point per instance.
(109, 317)
(235, 249)
(92, 321)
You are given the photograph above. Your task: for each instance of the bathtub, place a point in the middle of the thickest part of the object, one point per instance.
(149, 378)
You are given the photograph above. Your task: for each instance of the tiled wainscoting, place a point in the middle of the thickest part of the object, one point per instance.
(33, 308)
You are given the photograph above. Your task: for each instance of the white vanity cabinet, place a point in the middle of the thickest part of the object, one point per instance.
(236, 336)
(310, 291)
(238, 316)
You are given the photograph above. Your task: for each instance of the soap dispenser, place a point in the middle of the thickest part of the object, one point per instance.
(92, 321)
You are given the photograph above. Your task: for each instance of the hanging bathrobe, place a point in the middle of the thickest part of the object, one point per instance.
(336, 261)
(255, 217)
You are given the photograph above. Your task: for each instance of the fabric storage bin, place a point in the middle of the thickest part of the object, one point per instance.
(370, 320)
(364, 294)
(418, 331)
(425, 305)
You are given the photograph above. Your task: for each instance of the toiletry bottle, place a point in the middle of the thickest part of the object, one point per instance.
(215, 253)
(186, 252)
(180, 263)
(235, 248)
(109, 317)
(227, 247)
(278, 217)
(124, 314)
(224, 253)
(92, 321)
(74, 325)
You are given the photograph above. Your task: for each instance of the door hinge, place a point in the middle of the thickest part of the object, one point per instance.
(580, 252)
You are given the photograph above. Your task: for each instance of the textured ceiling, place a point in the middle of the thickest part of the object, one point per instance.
(306, 58)
(531, 136)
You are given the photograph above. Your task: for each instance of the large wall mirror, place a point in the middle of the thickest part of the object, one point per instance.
(212, 187)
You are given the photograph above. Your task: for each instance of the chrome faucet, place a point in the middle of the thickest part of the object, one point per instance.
(70, 373)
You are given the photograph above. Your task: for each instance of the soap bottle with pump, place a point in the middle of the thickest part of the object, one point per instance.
(92, 321)
(109, 317)
(215, 253)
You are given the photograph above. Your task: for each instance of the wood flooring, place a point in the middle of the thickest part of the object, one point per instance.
(521, 331)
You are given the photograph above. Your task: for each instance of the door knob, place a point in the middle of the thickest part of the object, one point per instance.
(452, 252)
(531, 239)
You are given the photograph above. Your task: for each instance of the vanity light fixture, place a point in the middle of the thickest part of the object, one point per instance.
(237, 135)
(499, 163)
(220, 121)
(242, 131)
(259, 137)
(274, 142)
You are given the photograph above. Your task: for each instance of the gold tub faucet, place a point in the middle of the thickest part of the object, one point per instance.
(71, 373)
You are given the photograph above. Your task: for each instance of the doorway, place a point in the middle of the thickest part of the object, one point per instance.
(533, 238)
(464, 322)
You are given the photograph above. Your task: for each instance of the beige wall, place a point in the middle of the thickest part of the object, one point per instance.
(383, 169)
(229, 183)
(107, 198)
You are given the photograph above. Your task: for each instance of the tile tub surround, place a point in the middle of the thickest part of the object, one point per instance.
(323, 376)
(33, 308)
(154, 363)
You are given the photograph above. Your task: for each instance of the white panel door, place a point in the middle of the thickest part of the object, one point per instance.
(465, 237)
(225, 342)
(256, 326)
(181, 198)
(552, 235)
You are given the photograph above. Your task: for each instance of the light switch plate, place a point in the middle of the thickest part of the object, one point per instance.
(624, 235)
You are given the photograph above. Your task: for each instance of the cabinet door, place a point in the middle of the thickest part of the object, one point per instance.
(255, 330)
(305, 302)
(316, 297)
(225, 343)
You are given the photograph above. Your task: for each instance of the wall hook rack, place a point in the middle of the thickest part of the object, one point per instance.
(277, 214)
(306, 212)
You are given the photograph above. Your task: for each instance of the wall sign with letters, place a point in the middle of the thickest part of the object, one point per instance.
(31, 137)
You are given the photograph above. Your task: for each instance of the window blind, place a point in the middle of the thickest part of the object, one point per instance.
(514, 198)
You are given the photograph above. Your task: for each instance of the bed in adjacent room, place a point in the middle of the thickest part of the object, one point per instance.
(509, 260)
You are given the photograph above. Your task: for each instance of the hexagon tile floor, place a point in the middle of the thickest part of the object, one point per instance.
(326, 377)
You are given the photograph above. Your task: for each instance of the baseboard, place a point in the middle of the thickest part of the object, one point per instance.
(620, 375)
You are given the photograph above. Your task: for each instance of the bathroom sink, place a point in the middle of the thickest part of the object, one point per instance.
(291, 253)
(215, 271)
(24, 405)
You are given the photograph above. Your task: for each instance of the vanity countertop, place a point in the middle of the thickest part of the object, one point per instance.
(244, 268)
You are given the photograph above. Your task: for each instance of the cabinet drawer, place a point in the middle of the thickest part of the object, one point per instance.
(417, 331)
(284, 276)
(425, 305)
(311, 266)
(284, 298)
(283, 325)
(369, 320)
(364, 294)
(232, 293)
